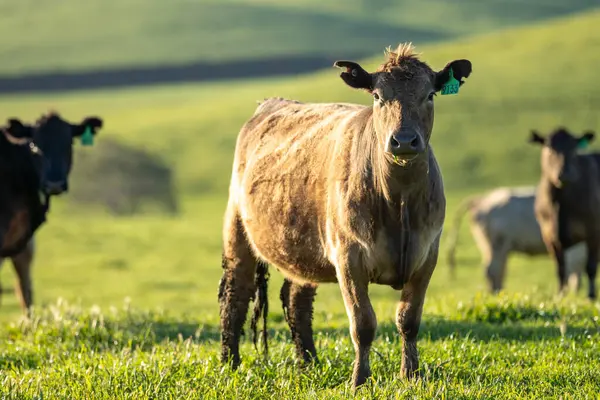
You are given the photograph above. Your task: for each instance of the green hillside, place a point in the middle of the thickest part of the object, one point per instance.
(98, 34)
(527, 78)
(524, 78)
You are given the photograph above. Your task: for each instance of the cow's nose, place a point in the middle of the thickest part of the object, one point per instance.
(406, 144)
(55, 188)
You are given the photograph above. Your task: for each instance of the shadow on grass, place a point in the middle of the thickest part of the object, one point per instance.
(144, 335)
(433, 329)
(439, 329)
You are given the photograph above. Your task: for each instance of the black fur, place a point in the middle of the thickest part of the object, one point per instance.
(20, 179)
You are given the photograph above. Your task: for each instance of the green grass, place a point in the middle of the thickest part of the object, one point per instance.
(472, 346)
(74, 35)
(541, 349)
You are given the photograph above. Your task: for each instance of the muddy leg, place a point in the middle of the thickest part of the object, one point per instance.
(297, 301)
(236, 288)
(22, 264)
(591, 267)
(408, 315)
(354, 282)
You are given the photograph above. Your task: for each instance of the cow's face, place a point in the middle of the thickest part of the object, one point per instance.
(559, 151)
(54, 137)
(403, 89)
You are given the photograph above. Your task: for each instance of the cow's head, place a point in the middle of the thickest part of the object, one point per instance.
(54, 137)
(559, 151)
(403, 89)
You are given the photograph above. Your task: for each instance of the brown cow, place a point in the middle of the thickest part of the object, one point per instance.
(340, 193)
(567, 198)
(53, 136)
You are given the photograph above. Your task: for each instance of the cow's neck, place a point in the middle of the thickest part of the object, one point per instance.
(411, 181)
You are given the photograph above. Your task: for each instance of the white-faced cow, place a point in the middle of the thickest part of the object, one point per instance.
(53, 138)
(341, 193)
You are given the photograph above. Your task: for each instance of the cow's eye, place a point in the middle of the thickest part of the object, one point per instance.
(376, 96)
(431, 96)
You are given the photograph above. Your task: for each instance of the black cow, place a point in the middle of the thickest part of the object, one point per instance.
(45, 155)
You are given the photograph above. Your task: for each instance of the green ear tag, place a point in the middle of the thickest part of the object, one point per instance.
(87, 138)
(582, 144)
(452, 85)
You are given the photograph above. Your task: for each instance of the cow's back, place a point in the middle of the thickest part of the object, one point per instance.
(507, 216)
(279, 179)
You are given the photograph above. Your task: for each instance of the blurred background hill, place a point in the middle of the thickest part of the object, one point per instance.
(174, 81)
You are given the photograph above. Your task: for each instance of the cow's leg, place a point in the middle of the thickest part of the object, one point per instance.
(496, 268)
(297, 301)
(575, 260)
(353, 279)
(409, 311)
(561, 269)
(22, 264)
(236, 287)
(591, 266)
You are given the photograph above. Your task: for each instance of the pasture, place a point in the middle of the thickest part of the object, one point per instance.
(138, 314)
(73, 36)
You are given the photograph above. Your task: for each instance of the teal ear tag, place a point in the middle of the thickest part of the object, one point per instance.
(87, 138)
(452, 85)
(582, 144)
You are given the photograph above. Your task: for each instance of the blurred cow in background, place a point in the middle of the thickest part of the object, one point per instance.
(502, 222)
(52, 138)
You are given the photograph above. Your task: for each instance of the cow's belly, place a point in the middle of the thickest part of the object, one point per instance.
(282, 228)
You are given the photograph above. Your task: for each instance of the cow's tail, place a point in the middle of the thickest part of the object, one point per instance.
(463, 207)
(261, 304)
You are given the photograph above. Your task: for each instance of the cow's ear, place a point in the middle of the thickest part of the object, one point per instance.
(536, 138)
(585, 139)
(17, 129)
(90, 124)
(355, 76)
(451, 77)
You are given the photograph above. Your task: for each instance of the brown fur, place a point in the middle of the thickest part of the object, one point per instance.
(316, 193)
(567, 198)
(22, 264)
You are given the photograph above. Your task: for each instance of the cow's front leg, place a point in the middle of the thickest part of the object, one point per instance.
(561, 269)
(409, 311)
(591, 266)
(353, 279)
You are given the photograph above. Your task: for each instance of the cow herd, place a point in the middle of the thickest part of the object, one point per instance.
(35, 162)
(558, 217)
(338, 193)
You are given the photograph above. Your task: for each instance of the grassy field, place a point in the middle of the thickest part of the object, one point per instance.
(75, 35)
(139, 318)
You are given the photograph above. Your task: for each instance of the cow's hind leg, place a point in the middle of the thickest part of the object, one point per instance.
(22, 264)
(409, 311)
(297, 301)
(236, 287)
